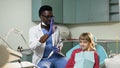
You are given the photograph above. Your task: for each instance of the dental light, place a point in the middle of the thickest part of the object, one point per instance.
(20, 48)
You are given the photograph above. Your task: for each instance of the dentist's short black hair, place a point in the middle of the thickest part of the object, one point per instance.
(44, 8)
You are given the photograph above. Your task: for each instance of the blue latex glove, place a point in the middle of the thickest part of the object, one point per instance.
(56, 50)
(51, 26)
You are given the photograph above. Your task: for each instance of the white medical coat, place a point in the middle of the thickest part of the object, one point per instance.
(38, 48)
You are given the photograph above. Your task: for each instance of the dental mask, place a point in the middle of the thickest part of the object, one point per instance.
(43, 24)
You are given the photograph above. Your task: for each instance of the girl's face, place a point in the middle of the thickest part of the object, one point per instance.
(84, 44)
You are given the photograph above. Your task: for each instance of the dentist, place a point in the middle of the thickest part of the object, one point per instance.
(45, 41)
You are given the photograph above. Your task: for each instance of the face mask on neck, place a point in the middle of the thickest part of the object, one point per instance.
(43, 24)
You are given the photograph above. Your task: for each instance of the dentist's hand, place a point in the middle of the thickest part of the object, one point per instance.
(56, 50)
(51, 27)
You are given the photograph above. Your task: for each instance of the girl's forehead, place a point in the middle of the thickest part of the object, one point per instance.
(84, 40)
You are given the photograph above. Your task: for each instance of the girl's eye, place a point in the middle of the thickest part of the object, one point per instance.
(80, 41)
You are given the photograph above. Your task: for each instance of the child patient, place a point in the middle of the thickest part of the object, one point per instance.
(86, 56)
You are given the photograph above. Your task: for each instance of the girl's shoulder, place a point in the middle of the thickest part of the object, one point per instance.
(95, 53)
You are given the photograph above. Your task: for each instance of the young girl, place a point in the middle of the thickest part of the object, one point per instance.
(86, 56)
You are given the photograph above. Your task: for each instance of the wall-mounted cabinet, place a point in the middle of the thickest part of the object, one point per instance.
(80, 11)
(114, 10)
(84, 11)
(57, 6)
(89, 11)
(69, 11)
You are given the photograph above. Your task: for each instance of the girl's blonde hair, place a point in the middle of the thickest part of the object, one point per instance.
(89, 37)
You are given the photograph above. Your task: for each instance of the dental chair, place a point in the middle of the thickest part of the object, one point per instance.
(100, 50)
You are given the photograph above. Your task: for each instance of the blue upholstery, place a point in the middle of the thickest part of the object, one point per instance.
(100, 50)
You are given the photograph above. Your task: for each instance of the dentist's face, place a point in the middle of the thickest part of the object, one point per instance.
(46, 17)
(84, 44)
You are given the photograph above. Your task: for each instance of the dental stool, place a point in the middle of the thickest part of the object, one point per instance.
(100, 50)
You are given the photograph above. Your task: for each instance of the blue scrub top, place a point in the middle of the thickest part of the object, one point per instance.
(49, 45)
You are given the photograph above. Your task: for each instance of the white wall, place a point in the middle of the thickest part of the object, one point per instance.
(110, 31)
(15, 14)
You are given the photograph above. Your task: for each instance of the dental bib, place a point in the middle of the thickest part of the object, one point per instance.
(84, 59)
